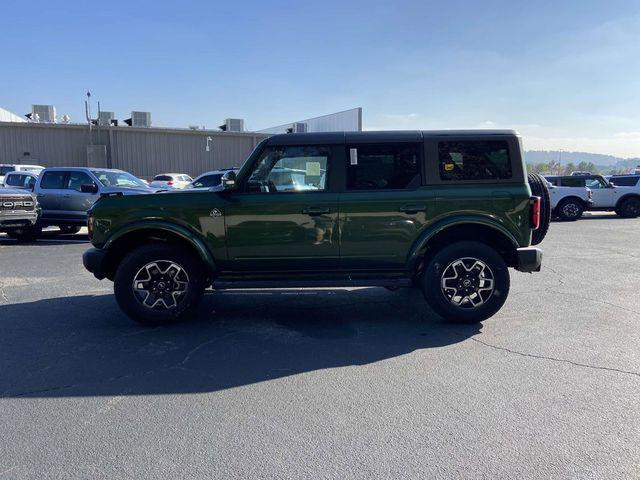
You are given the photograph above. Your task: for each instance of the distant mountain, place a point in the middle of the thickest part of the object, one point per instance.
(543, 156)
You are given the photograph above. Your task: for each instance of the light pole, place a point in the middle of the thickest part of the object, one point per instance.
(207, 149)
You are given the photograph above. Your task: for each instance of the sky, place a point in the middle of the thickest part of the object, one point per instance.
(565, 74)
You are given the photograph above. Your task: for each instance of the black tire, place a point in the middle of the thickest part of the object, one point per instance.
(69, 229)
(186, 301)
(539, 189)
(27, 234)
(629, 208)
(570, 209)
(443, 302)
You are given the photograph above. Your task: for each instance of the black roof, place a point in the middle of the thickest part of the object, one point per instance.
(379, 136)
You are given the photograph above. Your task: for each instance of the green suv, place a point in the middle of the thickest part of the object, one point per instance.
(445, 211)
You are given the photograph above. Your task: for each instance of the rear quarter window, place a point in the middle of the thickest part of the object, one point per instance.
(625, 181)
(468, 160)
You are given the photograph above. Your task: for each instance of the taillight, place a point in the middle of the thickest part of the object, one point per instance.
(170, 182)
(90, 225)
(534, 219)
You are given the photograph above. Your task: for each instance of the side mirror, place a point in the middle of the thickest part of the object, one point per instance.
(89, 188)
(229, 180)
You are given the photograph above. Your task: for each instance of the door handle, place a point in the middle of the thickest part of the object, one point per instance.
(315, 211)
(40, 195)
(66, 196)
(413, 208)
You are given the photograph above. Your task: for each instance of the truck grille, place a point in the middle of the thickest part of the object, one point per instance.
(17, 203)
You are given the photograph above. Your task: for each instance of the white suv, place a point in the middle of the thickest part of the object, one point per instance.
(6, 168)
(568, 203)
(624, 200)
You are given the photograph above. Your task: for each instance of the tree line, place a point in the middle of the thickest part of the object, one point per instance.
(557, 168)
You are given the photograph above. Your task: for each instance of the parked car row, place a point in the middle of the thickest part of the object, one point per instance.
(35, 197)
(579, 193)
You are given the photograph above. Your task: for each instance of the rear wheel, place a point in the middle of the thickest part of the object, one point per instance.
(570, 210)
(159, 284)
(466, 282)
(539, 189)
(629, 208)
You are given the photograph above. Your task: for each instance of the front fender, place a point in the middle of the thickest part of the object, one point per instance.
(185, 233)
(420, 244)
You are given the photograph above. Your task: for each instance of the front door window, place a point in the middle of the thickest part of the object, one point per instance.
(290, 169)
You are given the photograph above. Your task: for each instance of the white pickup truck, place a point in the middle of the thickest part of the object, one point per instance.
(624, 200)
(568, 203)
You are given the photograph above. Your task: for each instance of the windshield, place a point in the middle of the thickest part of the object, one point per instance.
(118, 179)
(208, 181)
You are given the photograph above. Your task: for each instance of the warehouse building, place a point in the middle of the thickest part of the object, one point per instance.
(140, 148)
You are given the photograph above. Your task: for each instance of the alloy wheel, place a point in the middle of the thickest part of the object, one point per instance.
(467, 282)
(160, 285)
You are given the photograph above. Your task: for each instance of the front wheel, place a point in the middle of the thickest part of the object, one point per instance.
(466, 282)
(159, 284)
(26, 234)
(69, 229)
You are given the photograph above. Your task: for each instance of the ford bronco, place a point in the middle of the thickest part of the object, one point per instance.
(446, 211)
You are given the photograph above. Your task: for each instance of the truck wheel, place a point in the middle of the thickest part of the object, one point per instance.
(570, 210)
(539, 189)
(27, 234)
(466, 282)
(629, 208)
(69, 229)
(159, 284)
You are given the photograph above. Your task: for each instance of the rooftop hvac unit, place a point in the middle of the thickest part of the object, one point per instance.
(43, 113)
(233, 125)
(105, 118)
(299, 127)
(140, 119)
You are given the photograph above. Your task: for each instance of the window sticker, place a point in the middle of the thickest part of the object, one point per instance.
(313, 169)
(449, 167)
(353, 155)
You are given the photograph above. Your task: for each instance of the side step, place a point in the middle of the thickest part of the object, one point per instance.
(307, 283)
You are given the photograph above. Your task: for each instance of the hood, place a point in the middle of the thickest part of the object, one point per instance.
(217, 188)
(129, 191)
(14, 191)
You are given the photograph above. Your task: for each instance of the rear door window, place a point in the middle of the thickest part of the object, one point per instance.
(470, 160)
(383, 167)
(163, 178)
(53, 180)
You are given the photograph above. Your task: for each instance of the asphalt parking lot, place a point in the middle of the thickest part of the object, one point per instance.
(326, 383)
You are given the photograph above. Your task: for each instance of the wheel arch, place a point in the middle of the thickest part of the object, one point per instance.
(581, 201)
(134, 236)
(626, 197)
(477, 229)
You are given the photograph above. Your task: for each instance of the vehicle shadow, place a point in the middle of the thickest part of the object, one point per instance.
(84, 346)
